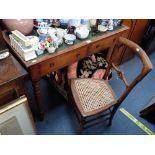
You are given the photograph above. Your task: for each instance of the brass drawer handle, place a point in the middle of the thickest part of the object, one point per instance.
(51, 65)
(77, 55)
(98, 46)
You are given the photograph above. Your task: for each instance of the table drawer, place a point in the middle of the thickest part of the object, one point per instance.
(63, 60)
(100, 45)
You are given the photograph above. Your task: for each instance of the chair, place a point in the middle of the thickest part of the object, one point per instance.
(94, 99)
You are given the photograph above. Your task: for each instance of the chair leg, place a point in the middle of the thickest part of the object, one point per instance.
(82, 123)
(112, 115)
(110, 121)
(81, 129)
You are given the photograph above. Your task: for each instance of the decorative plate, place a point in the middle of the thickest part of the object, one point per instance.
(4, 55)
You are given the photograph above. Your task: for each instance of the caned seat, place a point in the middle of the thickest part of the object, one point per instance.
(92, 95)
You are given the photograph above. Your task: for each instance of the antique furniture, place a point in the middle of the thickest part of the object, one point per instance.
(149, 37)
(2, 43)
(48, 63)
(12, 76)
(148, 111)
(135, 34)
(95, 99)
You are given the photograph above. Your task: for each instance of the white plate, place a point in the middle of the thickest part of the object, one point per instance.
(4, 55)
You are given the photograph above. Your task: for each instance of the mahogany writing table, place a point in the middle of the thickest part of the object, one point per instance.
(64, 56)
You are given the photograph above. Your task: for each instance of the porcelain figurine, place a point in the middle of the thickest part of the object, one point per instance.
(116, 22)
(56, 22)
(110, 24)
(92, 22)
(71, 29)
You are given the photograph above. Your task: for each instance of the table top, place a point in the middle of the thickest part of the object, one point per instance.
(65, 48)
(10, 70)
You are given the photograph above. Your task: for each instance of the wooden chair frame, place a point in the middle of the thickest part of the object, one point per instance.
(147, 67)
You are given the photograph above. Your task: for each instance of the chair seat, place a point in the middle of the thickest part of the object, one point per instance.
(92, 95)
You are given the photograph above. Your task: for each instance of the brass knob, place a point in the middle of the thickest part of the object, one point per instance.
(98, 46)
(51, 64)
(77, 55)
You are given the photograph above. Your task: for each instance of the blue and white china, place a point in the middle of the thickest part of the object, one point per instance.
(74, 22)
(48, 21)
(105, 22)
(64, 21)
(85, 23)
(39, 23)
(69, 39)
(116, 22)
(43, 37)
(110, 25)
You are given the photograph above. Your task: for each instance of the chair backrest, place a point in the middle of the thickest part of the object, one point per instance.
(147, 65)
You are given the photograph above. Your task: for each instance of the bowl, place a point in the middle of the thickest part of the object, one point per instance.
(51, 49)
(40, 51)
(69, 38)
(82, 33)
(102, 28)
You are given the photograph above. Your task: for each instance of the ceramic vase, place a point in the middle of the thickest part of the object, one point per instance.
(25, 26)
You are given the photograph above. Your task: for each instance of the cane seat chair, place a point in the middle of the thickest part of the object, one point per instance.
(94, 99)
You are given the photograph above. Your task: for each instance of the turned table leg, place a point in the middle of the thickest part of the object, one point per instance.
(36, 87)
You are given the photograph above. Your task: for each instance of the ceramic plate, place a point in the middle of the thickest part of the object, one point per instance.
(4, 55)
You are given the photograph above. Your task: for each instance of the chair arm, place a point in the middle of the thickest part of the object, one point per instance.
(147, 65)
